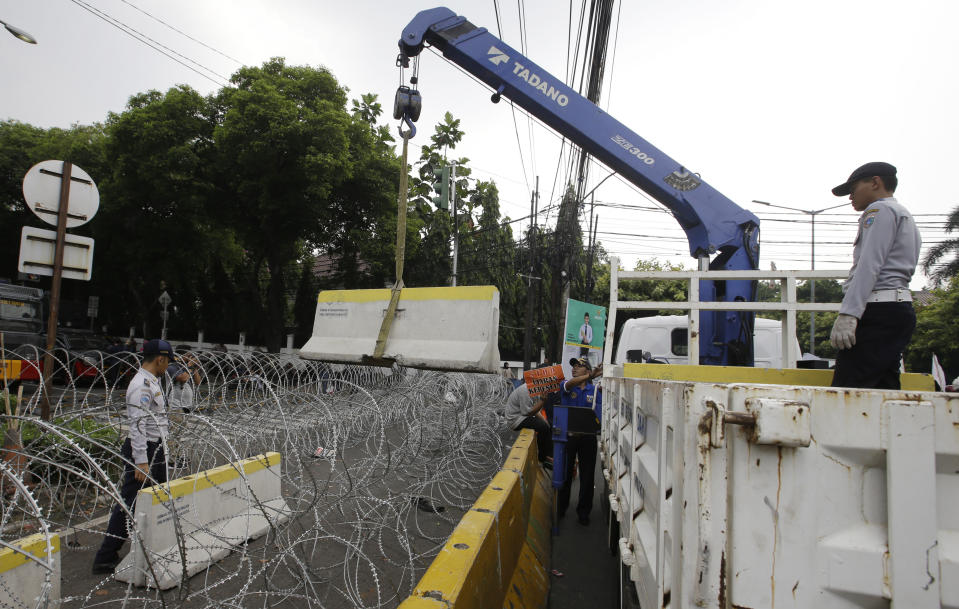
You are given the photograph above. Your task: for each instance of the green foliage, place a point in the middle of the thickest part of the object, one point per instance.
(304, 306)
(21, 147)
(937, 332)
(225, 200)
(827, 290)
(53, 451)
(942, 259)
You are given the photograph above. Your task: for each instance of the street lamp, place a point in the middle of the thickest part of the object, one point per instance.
(812, 259)
(19, 33)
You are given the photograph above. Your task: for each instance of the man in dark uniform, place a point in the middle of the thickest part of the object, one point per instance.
(876, 319)
(144, 463)
(580, 391)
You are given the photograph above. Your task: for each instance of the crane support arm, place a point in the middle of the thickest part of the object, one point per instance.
(713, 223)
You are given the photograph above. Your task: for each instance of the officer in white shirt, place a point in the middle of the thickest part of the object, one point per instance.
(184, 376)
(142, 451)
(876, 319)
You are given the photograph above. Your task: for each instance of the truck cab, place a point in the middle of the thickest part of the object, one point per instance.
(664, 339)
(21, 309)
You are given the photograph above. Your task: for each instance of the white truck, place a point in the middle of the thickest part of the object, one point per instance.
(664, 338)
(768, 489)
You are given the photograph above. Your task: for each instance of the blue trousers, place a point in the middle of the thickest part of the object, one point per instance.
(117, 528)
(881, 337)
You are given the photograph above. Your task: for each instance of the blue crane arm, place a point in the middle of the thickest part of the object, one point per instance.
(712, 222)
(717, 229)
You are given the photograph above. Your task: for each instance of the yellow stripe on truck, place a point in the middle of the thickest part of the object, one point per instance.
(767, 376)
(35, 545)
(477, 292)
(209, 478)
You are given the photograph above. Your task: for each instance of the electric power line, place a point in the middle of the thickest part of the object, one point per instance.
(153, 44)
(182, 33)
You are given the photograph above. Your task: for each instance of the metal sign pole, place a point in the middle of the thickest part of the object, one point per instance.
(165, 301)
(55, 287)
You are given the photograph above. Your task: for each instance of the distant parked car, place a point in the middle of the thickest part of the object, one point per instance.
(82, 354)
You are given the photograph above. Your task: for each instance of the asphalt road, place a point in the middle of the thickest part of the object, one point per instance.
(590, 576)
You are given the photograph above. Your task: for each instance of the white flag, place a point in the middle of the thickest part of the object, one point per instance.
(938, 373)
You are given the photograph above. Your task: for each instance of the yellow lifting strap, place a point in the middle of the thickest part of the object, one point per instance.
(400, 254)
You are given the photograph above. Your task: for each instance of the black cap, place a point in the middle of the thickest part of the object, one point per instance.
(876, 168)
(158, 347)
(580, 361)
(175, 370)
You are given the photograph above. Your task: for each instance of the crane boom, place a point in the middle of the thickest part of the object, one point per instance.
(716, 228)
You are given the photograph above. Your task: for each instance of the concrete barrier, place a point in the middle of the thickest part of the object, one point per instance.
(30, 572)
(183, 527)
(435, 328)
(498, 555)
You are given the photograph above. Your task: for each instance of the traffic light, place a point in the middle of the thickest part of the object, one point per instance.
(442, 188)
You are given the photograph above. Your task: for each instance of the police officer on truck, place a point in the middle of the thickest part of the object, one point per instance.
(144, 463)
(876, 319)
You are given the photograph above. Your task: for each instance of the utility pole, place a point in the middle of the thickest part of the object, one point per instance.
(593, 224)
(62, 212)
(456, 229)
(528, 339)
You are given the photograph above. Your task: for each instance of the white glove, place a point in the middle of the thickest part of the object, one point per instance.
(844, 332)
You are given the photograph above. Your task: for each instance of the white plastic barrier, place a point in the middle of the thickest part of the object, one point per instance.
(30, 572)
(752, 495)
(435, 328)
(185, 526)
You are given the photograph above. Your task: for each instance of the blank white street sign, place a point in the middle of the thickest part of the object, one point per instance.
(41, 191)
(37, 249)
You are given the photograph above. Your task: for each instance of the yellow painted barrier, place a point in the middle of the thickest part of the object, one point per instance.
(769, 376)
(498, 555)
(188, 524)
(30, 572)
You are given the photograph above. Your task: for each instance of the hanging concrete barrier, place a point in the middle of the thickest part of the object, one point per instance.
(498, 555)
(183, 527)
(30, 572)
(435, 328)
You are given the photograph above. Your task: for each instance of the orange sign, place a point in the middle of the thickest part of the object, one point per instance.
(544, 380)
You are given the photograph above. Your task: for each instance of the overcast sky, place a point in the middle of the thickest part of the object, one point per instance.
(770, 100)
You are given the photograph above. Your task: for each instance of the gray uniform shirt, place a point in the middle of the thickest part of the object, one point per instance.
(519, 404)
(146, 413)
(884, 256)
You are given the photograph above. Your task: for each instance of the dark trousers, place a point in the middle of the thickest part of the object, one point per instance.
(544, 436)
(117, 528)
(881, 337)
(584, 448)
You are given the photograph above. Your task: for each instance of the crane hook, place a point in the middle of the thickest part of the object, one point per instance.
(407, 134)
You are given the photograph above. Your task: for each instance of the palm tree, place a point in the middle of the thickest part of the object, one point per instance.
(949, 268)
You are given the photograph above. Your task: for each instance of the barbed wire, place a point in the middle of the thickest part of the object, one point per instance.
(378, 465)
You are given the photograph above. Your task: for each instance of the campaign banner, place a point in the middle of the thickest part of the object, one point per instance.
(543, 380)
(585, 333)
(585, 325)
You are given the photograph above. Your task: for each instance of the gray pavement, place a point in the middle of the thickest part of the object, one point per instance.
(590, 573)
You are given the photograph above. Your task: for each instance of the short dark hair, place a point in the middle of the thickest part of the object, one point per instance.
(149, 358)
(889, 182)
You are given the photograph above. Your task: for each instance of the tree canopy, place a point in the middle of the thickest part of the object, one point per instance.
(941, 262)
(242, 204)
